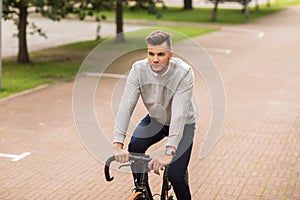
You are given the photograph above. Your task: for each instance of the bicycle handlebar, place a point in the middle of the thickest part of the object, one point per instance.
(106, 168)
(135, 158)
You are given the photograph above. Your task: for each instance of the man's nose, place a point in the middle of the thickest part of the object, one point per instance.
(155, 59)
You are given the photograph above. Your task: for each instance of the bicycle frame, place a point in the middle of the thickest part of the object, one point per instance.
(142, 189)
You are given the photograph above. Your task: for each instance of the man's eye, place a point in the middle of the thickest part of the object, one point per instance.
(151, 54)
(161, 54)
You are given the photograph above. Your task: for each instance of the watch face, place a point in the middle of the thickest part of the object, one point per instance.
(169, 152)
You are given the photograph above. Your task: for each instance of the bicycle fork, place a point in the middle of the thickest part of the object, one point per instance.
(141, 181)
(166, 186)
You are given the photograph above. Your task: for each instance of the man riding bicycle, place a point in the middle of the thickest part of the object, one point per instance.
(165, 84)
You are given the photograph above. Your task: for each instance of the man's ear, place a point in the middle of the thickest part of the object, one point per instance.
(171, 54)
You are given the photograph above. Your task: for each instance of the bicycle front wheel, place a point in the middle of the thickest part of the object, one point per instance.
(137, 196)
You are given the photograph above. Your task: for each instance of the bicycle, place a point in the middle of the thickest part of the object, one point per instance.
(142, 188)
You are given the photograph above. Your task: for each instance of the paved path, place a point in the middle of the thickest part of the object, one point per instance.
(257, 156)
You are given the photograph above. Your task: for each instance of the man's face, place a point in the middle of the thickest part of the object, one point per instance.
(159, 57)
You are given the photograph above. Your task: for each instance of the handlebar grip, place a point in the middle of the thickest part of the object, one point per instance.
(106, 169)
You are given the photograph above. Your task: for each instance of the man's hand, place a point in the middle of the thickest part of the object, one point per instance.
(158, 162)
(120, 154)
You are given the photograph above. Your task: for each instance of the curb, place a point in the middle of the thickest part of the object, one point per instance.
(23, 93)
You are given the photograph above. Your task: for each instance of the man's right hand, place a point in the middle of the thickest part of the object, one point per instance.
(120, 154)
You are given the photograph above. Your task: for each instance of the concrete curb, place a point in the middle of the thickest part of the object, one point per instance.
(24, 92)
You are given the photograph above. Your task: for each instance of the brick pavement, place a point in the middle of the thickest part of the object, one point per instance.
(257, 156)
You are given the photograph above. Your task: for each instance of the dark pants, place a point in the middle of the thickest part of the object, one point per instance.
(149, 132)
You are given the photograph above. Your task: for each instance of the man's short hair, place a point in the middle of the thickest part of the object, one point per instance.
(159, 37)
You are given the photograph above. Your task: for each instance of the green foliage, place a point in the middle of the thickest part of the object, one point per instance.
(18, 11)
(53, 9)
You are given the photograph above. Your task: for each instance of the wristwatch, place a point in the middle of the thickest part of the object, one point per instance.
(169, 152)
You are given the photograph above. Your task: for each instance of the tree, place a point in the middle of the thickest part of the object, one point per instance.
(144, 4)
(244, 3)
(188, 5)
(119, 21)
(18, 11)
(215, 10)
(147, 5)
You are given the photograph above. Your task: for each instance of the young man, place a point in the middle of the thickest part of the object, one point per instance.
(165, 84)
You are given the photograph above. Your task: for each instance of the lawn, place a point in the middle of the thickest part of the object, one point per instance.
(203, 15)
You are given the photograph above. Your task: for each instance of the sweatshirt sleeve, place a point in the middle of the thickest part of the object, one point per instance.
(128, 102)
(182, 100)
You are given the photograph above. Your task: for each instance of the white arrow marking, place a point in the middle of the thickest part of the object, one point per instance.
(15, 158)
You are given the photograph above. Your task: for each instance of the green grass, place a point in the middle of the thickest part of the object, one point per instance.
(189, 31)
(63, 62)
(48, 66)
(203, 15)
(137, 38)
(286, 2)
(19, 77)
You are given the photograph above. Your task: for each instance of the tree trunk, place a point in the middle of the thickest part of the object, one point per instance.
(119, 22)
(246, 9)
(215, 11)
(23, 55)
(256, 5)
(188, 5)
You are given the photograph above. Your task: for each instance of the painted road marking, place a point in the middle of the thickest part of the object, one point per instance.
(14, 157)
(106, 75)
(215, 50)
(259, 34)
(218, 50)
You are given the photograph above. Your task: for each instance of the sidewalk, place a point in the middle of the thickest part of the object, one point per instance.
(257, 156)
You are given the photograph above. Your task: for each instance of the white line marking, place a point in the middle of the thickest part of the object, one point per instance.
(260, 35)
(15, 158)
(106, 75)
(217, 50)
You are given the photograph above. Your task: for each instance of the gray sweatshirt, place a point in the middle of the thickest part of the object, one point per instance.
(167, 97)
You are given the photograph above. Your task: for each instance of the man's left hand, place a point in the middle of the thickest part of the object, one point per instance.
(159, 162)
